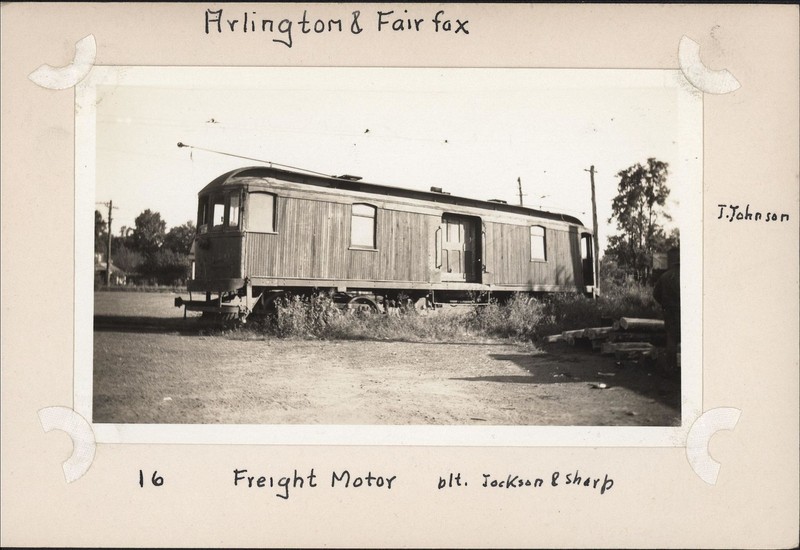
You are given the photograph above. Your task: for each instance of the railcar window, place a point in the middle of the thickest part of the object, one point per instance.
(362, 226)
(202, 215)
(586, 246)
(233, 211)
(261, 212)
(453, 232)
(538, 249)
(218, 211)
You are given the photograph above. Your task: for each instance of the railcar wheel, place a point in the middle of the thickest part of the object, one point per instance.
(268, 304)
(362, 304)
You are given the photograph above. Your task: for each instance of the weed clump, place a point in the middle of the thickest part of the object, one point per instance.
(310, 316)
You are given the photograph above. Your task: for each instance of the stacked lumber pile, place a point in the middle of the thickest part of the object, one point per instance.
(626, 338)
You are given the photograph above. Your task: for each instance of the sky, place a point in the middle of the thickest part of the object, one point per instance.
(472, 132)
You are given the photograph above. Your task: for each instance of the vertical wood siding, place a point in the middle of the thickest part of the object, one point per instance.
(313, 241)
(508, 250)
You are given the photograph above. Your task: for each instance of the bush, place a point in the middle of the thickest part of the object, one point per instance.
(521, 317)
(127, 259)
(570, 312)
(631, 299)
(576, 311)
(166, 267)
(310, 316)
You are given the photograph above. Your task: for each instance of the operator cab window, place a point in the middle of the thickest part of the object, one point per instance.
(217, 212)
(202, 216)
(233, 209)
(586, 247)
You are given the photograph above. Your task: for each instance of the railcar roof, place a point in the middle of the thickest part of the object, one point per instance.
(234, 177)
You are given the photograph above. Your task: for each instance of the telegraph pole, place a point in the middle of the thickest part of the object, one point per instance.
(111, 206)
(596, 236)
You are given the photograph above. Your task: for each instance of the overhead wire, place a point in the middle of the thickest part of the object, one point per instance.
(268, 162)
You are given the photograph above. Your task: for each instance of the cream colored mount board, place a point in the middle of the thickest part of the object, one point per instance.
(714, 87)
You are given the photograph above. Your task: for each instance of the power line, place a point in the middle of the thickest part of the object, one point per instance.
(269, 162)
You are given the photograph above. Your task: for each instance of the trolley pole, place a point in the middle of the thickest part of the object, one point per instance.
(596, 290)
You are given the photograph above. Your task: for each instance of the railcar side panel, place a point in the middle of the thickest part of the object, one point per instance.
(306, 244)
(508, 256)
(402, 242)
(573, 258)
(312, 241)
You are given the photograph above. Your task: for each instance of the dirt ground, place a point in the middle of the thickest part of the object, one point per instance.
(152, 366)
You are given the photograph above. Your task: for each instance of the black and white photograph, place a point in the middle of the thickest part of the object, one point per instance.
(412, 247)
(478, 275)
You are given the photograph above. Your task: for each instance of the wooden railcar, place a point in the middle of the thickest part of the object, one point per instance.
(263, 231)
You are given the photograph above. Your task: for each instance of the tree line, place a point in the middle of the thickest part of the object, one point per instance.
(147, 252)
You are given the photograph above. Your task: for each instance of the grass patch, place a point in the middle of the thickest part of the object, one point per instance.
(521, 318)
(317, 317)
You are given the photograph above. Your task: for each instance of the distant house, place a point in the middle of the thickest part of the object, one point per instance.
(118, 277)
(659, 266)
(660, 261)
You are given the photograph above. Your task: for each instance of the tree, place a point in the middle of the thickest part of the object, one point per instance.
(100, 233)
(670, 240)
(127, 259)
(166, 267)
(148, 236)
(179, 239)
(638, 210)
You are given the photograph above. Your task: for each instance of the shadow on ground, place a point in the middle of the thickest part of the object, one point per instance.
(563, 366)
(159, 325)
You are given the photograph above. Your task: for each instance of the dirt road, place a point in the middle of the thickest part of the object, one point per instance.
(151, 369)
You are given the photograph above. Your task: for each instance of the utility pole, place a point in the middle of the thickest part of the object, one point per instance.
(111, 206)
(519, 185)
(596, 290)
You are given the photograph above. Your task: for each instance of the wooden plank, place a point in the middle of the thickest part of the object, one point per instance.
(597, 332)
(651, 337)
(629, 346)
(621, 355)
(609, 348)
(644, 325)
